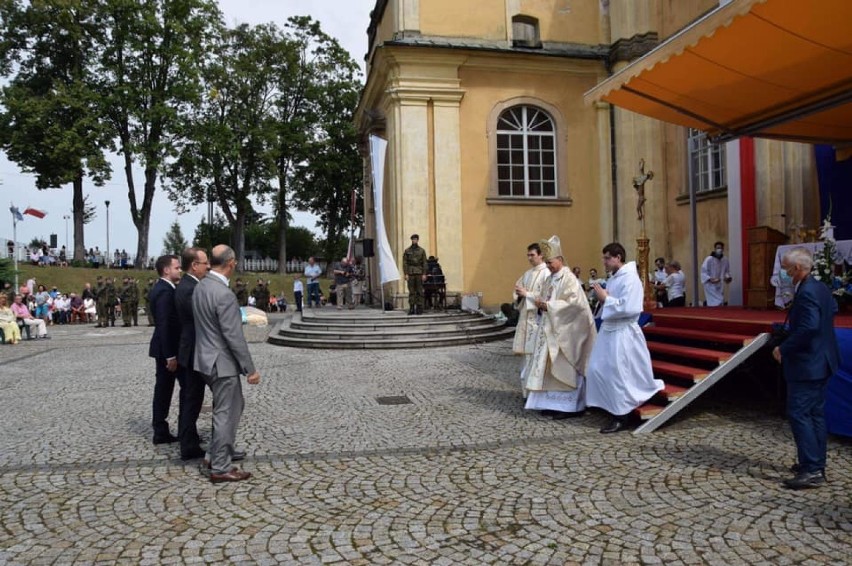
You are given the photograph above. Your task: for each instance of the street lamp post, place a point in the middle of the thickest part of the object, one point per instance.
(106, 258)
(66, 218)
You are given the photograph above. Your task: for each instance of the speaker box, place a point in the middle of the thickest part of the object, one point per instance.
(367, 244)
(53, 241)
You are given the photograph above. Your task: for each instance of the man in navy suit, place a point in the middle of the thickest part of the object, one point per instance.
(809, 357)
(164, 343)
(195, 265)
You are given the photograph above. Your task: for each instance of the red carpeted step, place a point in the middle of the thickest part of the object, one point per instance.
(708, 322)
(648, 410)
(680, 371)
(701, 354)
(705, 335)
(672, 392)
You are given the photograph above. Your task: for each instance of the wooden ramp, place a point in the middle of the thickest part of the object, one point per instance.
(692, 350)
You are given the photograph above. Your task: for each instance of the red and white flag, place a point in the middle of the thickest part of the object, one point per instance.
(35, 212)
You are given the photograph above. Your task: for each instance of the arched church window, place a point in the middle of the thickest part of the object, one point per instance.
(526, 153)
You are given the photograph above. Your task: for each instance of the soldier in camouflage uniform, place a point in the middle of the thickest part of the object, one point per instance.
(110, 298)
(261, 296)
(124, 298)
(242, 293)
(414, 267)
(134, 301)
(100, 304)
(145, 297)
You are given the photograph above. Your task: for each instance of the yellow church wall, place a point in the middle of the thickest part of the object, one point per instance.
(482, 19)
(495, 236)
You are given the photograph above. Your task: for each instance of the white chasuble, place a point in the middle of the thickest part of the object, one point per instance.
(564, 337)
(619, 375)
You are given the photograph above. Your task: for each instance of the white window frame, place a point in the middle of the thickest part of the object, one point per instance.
(523, 131)
(708, 163)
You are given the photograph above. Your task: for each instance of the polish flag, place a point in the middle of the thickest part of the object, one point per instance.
(35, 212)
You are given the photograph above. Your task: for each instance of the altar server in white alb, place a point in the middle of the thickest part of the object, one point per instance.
(563, 340)
(619, 376)
(714, 271)
(527, 290)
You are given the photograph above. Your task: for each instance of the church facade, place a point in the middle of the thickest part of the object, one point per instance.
(491, 146)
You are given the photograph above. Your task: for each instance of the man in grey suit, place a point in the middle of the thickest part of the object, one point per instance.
(221, 356)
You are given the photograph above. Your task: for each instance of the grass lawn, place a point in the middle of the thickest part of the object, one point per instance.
(73, 279)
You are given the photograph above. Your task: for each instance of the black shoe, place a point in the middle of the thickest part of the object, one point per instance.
(561, 415)
(192, 453)
(238, 455)
(167, 438)
(615, 425)
(805, 480)
(547, 413)
(411, 311)
(796, 469)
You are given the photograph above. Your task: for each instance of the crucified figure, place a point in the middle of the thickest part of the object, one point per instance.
(639, 185)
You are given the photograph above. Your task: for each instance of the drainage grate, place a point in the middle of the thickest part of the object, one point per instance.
(397, 400)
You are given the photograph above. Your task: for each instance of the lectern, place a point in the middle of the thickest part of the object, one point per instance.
(763, 242)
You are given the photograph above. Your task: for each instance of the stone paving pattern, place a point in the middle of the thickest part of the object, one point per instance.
(462, 475)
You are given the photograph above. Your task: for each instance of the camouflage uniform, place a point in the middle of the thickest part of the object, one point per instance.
(414, 267)
(261, 297)
(110, 298)
(146, 298)
(242, 293)
(100, 302)
(134, 301)
(124, 297)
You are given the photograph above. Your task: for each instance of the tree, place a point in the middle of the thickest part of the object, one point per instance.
(329, 183)
(150, 67)
(314, 68)
(174, 242)
(225, 153)
(50, 123)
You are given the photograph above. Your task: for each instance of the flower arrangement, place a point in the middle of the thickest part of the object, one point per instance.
(826, 266)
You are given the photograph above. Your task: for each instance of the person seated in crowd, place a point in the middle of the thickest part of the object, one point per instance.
(91, 309)
(8, 322)
(61, 310)
(22, 314)
(63, 257)
(273, 304)
(76, 309)
(434, 287)
(281, 302)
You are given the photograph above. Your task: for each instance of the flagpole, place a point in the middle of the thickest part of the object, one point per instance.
(15, 249)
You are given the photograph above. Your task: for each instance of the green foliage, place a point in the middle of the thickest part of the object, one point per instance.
(174, 242)
(37, 243)
(7, 271)
(261, 237)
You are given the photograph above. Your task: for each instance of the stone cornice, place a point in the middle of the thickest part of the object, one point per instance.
(626, 50)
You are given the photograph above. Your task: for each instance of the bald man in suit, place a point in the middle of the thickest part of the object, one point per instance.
(221, 356)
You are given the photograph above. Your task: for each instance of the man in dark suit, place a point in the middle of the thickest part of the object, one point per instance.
(221, 356)
(194, 265)
(809, 356)
(164, 344)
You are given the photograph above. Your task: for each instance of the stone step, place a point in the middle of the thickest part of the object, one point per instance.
(402, 326)
(430, 342)
(390, 334)
(359, 316)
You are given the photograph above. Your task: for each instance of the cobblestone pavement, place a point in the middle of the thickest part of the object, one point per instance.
(461, 475)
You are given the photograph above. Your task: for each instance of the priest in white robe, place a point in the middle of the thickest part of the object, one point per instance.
(620, 378)
(563, 339)
(527, 290)
(714, 271)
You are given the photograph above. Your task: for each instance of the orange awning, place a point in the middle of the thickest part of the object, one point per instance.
(766, 68)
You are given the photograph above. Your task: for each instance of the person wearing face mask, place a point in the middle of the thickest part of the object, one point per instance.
(714, 271)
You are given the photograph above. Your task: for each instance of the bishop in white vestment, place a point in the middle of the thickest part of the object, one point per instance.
(563, 339)
(527, 290)
(620, 378)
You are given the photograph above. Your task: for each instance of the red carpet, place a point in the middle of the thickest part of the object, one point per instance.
(739, 318)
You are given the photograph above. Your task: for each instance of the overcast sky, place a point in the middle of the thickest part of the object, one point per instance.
(346, 20)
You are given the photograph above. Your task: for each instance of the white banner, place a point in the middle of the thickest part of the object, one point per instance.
(387, 264)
